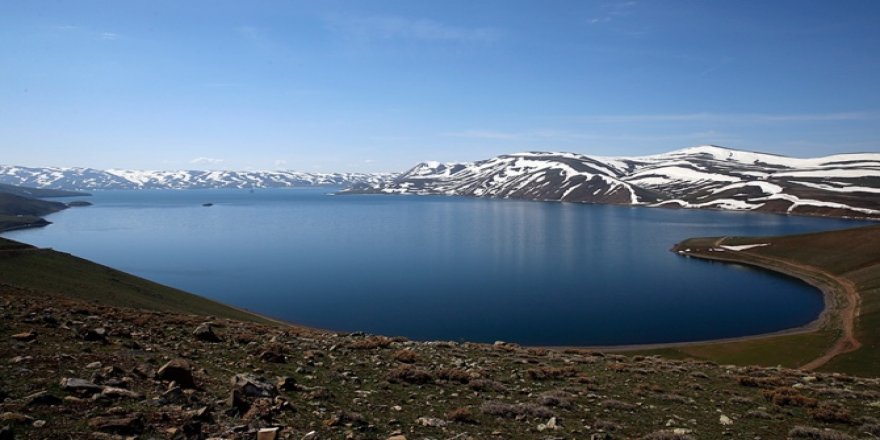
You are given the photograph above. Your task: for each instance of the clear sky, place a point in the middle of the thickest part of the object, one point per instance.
(381, 85)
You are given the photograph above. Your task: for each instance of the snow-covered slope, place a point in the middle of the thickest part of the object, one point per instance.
(699, 177)
(91, 179)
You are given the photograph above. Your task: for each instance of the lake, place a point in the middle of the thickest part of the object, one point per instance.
(444, 268)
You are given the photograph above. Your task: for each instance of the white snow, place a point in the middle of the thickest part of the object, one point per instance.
(743, 247)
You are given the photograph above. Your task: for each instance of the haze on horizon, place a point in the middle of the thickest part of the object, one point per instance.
(379, 86)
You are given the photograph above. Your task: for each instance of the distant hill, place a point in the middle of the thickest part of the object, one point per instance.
(11, 204)
(39, 192)
(90, 179)
(844, 185)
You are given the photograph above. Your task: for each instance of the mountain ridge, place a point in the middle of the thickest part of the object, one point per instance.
(78, 178)
(706, 176)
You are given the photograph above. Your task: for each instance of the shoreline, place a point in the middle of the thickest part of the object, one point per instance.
(841, 303)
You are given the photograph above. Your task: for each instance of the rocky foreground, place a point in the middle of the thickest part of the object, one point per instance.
(74, 369)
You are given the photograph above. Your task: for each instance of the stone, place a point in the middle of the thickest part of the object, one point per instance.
(130, 424)
(253, 386)
(205, 332)
(260, 409)
(237, 403)
(397, 437)
(94, 365)
(115, 392)
(79, 386)
(286, 383)
(41, 398)
(267, 434)
(272, 356)
(16, 418)
(173, 395)
(25, 337)
(39, 423)
(724, 420)
(177, 370)
(432, 422)
(95, 334)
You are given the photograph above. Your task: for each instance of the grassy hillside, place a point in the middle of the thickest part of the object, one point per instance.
(55, 273)
(11, 204)
(851, 256)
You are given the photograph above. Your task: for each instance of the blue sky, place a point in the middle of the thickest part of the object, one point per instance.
(382, 85)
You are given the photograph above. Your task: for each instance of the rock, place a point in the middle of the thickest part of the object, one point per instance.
(172, 395)
(551, 424)
(724, 420)
(204, 332)
(6, 433)
(79, 386)
(432, 422)
(190, 430)
(272, 357)
(253, 386)
(130, 424)
(3, 394)
(260, 409)
(39, 423)
(41, 398)
(397, 437)
(25, 337)
(115, 392)
(94, 365)
(286, 383)
(177, 370)
(202, 414)
(16, 418)
(267, 434)
(21, 359)
(145, 371)
(95, 334)
(237, 403)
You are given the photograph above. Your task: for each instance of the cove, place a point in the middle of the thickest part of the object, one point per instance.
(444, 268)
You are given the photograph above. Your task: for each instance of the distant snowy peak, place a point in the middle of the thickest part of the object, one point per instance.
(92, 179)
(698, 177)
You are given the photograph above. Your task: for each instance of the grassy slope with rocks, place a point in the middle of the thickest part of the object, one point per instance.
(825, 259)
(83, 354)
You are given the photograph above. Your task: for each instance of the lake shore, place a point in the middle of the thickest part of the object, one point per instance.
(833, 291)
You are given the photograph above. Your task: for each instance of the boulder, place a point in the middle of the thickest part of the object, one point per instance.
(95, 334)
(130, 424)
(41, 398)
(273, 356)
(286, 383)
(267, 434)
(25, 337)
(177, 370)
(205, 332)
(253, 386)
(79, 386)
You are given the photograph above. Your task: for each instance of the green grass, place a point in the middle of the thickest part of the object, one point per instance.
(51, 272)
(853, 254)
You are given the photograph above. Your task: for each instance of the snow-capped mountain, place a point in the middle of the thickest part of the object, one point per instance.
(92, 179)
(845, 185)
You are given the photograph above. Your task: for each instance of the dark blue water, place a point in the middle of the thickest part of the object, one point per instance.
(444, 267)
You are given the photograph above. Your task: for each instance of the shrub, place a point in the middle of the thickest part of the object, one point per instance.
(408, 374)
(508, 410)
(785, 396)
(805, 432)
(830, 414)
(461, 415)
(454, 375)
(371, 343)
(405, 356)
(760, 382)
(544, 373)
(485, 385)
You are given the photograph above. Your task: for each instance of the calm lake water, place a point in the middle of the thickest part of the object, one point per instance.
(444, 268)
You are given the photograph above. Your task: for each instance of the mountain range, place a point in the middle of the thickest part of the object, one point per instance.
(844, 185)
(713, 177)
(94, 179)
